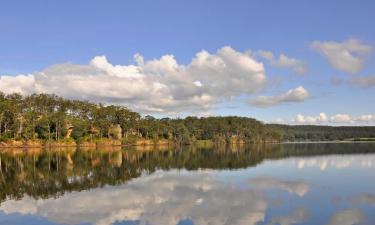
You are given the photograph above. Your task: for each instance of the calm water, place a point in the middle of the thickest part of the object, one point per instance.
(278, 184)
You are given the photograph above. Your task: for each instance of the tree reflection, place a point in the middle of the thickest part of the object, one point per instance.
(51, 173)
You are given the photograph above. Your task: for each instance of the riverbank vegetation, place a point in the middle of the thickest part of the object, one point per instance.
(324, 133)
(43, 119)
(48, 120)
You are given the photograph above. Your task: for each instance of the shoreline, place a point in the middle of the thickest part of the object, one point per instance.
(96, 144)
(105, 143)
(150, 143)
(323, 142)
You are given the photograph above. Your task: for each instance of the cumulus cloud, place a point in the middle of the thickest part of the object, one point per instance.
(298, 94)
(284, 61)
(21, 84)
(347, 56)
(322, 118)
(347, 217)
(337, 119)
(366, 118)
(159, 85)
(341, 118)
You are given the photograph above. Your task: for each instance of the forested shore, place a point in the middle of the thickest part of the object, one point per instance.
(48, 120)
(43, 119)
(299, 133)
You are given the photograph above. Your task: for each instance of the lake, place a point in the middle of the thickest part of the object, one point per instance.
(306, 183)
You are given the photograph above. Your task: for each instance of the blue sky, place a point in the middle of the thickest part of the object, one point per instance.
(34, 35)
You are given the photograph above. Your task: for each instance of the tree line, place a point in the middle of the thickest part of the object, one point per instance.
(323, 133)
(49, 117)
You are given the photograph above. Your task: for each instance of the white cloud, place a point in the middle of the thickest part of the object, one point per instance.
(21, 84)
(159, 85)
(366, 118)
(298, 94)
(347, 217)
(341, 118)
(337, 119)
(322, 118)
(347, 56)
(284, 61)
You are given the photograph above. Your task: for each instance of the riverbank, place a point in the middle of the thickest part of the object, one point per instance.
(105, 142)
(87, 143)
(352, 140)
(145, 144)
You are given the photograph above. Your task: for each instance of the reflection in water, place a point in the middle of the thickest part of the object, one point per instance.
(198, 186)
(337, 162)
(297, 216)
(295, 187)
(347, 217)
(162, 198)
(365, 198)
(43, 174)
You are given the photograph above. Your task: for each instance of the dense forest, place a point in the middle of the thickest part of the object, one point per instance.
(323, 133)
(49, 118)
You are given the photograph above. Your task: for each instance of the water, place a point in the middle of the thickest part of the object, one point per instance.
(275, 184)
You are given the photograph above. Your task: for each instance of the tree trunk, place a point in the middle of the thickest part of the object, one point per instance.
(56, 131)
(1, 122)
(49, 133)
(33, 130)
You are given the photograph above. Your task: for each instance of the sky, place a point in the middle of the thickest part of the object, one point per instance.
(295, 62)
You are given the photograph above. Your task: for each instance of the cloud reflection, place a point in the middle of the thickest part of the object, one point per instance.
(162, 198)
(347, 217)
(299, 188)
(365, 198)
(298, 216)
(335, 162)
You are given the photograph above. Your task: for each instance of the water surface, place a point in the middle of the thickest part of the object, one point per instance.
(274, 184)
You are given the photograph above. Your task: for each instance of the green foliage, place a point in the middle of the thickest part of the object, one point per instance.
(49, 117)
(52, 118)
(129, 140)
(322, 133)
